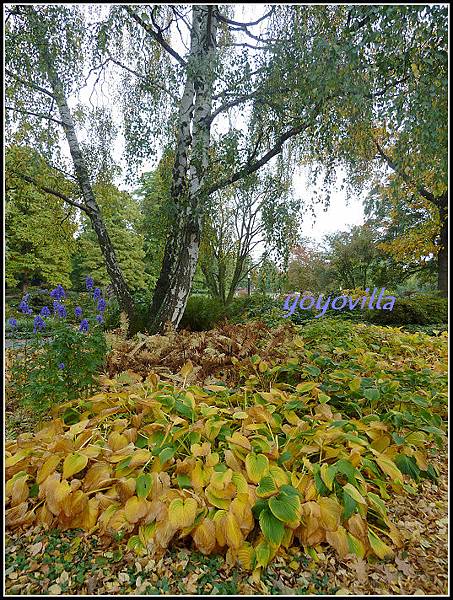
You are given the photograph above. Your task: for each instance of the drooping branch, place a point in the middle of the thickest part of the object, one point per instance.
(405, 177)
(51, 191)
(252, 167)
(34, 114)
(157, 35)
(30, 84)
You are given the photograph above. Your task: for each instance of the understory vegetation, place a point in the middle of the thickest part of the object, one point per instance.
(310, 433)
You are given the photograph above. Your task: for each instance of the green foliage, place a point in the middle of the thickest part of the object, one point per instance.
(39, 228)
(202, 313)
(123, 221)
(422, 309)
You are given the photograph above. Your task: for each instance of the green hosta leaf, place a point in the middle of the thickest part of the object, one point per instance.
(257, 466)
(267, 487)
(285, 507)
(263, 554)
(355, 545)
(272, 528)
(184, 481)
(143, 485)
(407, 465)
(372, 394)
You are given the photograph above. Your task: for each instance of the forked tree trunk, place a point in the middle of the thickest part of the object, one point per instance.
(191, 160)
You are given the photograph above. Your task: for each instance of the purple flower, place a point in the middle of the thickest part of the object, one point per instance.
(101, 305)
(83, 325)
(97, 294)
(45, 312)
(23, 306)
(58, 293)
(99, 319)
(59, 309)
(89, 282)
(26, 297)
(38, 323)
(78, 312)
(12, 322)
(61, 366)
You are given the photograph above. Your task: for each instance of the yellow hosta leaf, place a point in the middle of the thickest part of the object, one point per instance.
(126, 488)
(220, 480)
(75, 503)
(182, 513)
(217, 501)
(135, 509)
(379, 547)
(240, 482)
(19, 491)
(74, 463)
(186, 369)
(328, 475)
(420, 460)
(204, 536)
(119, 520)
(117, 441)
(257, 466)
(233, 533)
(279, 476)
(339, 540)
(13, 460)
(389, 468)
(219, 519)
(47, 468)
(246, 556)
(96, 477)
(239, 440)
(330, 513)
(87, 519)
(354, 493)
(78, 427)
(356, 546)
(140, 457)
(56, 494)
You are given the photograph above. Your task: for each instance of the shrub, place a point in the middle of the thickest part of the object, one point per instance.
(64, 366)
(424, 309)
(202, 313)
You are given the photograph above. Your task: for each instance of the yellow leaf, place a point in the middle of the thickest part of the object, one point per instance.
(135, 509)
(186, 369)
(233, 534)
(117, 441)
(182, 513)
(246, 556)
(19, 491)
(354, 493)
(339, 540)
(389, 468)
(13, 460)
(379, 548)
(96, 477)
(74, 463)
(330, 513)
(47, 468)
(239, 440)
(257, 466)
(204, 536)
(140, 457)
(56, 494)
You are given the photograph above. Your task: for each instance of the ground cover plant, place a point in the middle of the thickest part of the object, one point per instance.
(305, 452)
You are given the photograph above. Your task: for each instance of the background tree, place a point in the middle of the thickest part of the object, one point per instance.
(39, 229)
(123, 219)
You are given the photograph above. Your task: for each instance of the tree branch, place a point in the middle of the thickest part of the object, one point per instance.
(48, 190)
(420, 189)
(28, 112)
(29, 84)
(157, 35)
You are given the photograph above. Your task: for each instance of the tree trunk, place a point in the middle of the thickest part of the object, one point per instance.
(182, 247)
(92, 209)
(442, 257)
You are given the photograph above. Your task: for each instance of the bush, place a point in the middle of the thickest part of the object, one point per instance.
(202, 313)
(424, 309)
(62, 367)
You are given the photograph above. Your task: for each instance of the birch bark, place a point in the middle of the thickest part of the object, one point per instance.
(182, 247)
